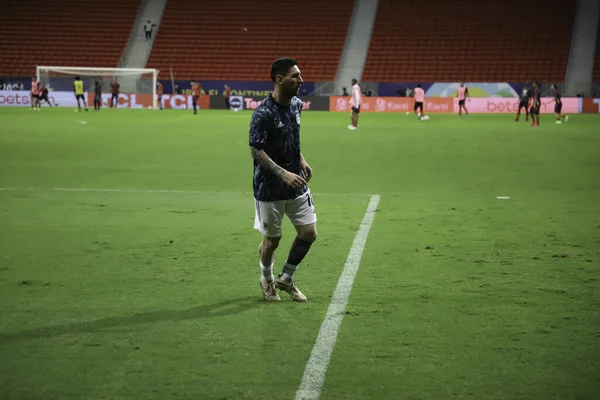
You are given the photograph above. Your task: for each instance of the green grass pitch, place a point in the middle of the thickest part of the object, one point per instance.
(150, 290)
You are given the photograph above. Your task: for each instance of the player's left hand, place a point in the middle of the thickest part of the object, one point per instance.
(306, 170)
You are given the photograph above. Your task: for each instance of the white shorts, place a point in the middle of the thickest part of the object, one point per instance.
(269, 214)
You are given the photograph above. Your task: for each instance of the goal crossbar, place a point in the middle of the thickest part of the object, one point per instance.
(96, 69)
(131, 76)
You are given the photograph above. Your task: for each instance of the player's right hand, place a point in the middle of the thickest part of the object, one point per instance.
(293, 180)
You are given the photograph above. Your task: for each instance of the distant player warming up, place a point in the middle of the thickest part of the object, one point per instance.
(462, 94)
(536, 103)
(97, 94)
(79, 91)
(526, 93)
(159, 94)
(355, 104)
(114, 98)
(44, 95)
(419, 97)
(279, 181)
(35, 94)
(195, 95)
(227, 94)
(557, 105)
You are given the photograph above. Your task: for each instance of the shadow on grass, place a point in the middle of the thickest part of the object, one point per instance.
(221, 309)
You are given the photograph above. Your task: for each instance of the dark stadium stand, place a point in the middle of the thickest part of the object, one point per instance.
(90, 33)
(206, 39)
(596, 73)
(486, 41)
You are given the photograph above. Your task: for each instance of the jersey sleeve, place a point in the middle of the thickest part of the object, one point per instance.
(258, 128)
(299, 105)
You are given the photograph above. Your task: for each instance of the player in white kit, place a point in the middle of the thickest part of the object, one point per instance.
(355, 103)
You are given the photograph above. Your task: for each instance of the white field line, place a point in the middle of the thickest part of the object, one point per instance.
(316, 367)
(202, 192)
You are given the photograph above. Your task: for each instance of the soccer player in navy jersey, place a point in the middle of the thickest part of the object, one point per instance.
(526, 94)
(44, 95)
(556, 98)
(279, 181)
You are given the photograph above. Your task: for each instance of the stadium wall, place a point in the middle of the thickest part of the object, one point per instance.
(490, 105)
(255, 88)
(22, 98)
(311, 103)
(263, 88)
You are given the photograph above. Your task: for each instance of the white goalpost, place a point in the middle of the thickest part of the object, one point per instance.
(138, 81)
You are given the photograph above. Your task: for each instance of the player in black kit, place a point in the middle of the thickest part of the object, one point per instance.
(280, 179)
(526, 93)
(556, 98)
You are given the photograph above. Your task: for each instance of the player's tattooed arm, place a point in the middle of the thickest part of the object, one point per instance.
(265, 161)
(290, 179)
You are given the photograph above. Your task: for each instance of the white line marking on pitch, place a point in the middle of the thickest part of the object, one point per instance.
(316, 367)
(158, 191)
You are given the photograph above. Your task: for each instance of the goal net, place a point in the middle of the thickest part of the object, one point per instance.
(137, 86)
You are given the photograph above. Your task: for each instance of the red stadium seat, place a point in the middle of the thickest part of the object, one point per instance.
(91, 33)
(492, 40)
(206, 39)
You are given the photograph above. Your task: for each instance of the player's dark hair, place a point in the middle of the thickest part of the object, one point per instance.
(281, 66)
(418, 85)
(76, 78)
(354, 81)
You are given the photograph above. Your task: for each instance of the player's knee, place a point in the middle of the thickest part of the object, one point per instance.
(309, 235)
(270, 243)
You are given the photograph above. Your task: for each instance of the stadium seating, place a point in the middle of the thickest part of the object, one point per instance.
(486, 41)
(239, 39)
(90, 33)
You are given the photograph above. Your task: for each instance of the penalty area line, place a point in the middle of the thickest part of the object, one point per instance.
(318, 362)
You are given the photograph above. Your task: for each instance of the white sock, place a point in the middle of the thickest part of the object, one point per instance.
(266, 272)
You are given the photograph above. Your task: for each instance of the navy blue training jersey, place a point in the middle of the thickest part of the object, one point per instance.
(557, 97)
(276, 130)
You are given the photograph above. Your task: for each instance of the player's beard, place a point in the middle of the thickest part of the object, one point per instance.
(292, 90)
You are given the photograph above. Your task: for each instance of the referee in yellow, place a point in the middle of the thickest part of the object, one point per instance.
(78, 87)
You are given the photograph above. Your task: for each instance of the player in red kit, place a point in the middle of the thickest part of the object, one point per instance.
(114, 98)
(536, 103)
(35, 94)
(195, 95)
(419, 97)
